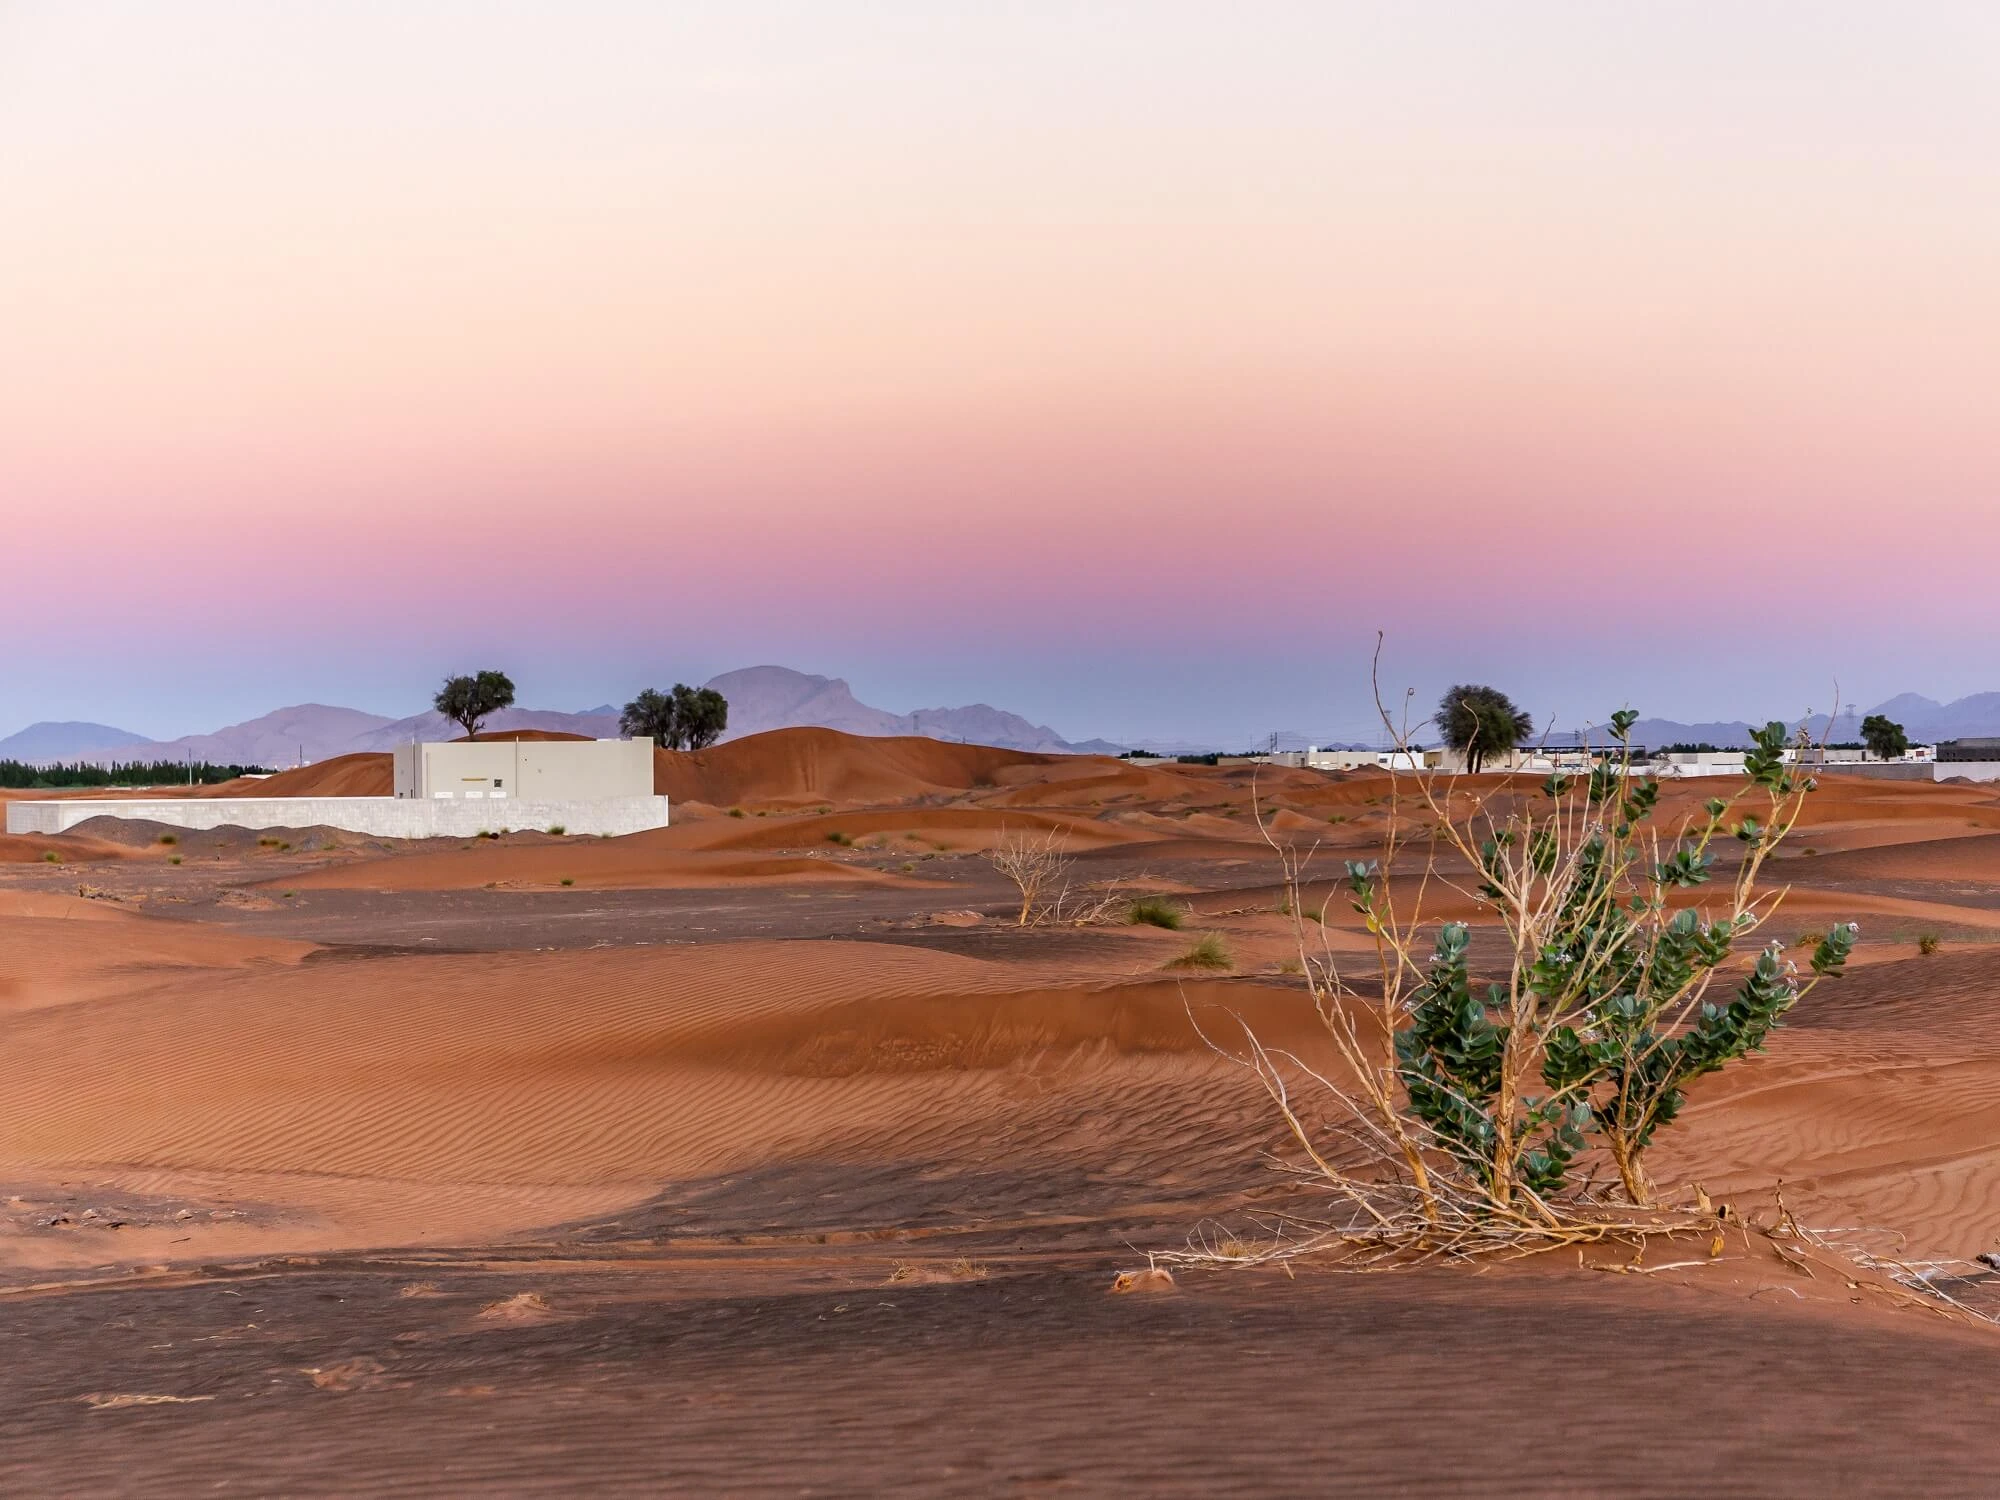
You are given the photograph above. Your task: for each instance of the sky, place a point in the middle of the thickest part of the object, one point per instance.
(1127, 365)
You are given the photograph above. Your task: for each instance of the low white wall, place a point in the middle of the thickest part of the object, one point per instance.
(386, 817)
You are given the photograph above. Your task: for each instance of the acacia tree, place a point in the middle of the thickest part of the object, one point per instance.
(684, 719)
(1884, 737)
(1480, 721)
(470, 700)
(650, 716)
(701, 714)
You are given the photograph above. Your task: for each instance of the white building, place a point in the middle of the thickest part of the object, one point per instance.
(525, 770)
(441, 791)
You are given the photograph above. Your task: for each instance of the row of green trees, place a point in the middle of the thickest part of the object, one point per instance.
(20, 775)
(1479, 722)
(682, 718)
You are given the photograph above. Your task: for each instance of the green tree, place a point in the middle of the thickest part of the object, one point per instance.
(650, 716)
(1481, 721)
(469, 701)
(1884, 737)
(701, 713)
(684, 719)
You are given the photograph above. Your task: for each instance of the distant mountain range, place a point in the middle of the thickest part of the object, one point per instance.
(760, 698)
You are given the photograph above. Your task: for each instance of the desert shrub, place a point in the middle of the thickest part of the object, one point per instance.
(735, 812)
(1206, 952)
(837, 837)
(170, 838)
(1038, 867)
(49, 856)
(1468, 1106)
(173, 859)
(1928, 943)
(568, 880)
(557, 829)
(267, 843)
(1154, 911)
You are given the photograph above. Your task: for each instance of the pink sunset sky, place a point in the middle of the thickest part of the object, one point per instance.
(1126, 365)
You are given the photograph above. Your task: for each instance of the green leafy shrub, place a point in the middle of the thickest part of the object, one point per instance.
(1928, 943)
(1477, 1098)
(837, 837)
(1154, 911)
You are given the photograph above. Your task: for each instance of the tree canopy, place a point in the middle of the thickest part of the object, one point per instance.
(683, 719)
(1884, 737)
(470, 700)
(1480, 721)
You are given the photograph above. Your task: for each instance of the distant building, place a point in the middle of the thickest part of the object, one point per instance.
(1969, 749)
(525, 770)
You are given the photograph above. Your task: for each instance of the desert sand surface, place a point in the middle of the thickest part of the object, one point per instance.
(764, 1154)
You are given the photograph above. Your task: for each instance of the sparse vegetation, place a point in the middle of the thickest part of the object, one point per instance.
(1928, 943)
(735, 812)
(173, 859)
(557, 830)
(1206, 952)
(1154, 911)
(1465, 1107)
(845, 841)
(49, 856)
(567, 880)
(1036, 866)
(170, 838)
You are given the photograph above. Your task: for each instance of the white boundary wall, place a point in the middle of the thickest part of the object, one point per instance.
(386, 817)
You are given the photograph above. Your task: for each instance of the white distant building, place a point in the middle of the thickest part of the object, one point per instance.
(525, 770)
(451, 790)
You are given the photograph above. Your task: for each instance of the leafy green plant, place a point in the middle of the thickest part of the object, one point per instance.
(49, 856)
(1154, 911)
(1206, 952)
(1478, 1098)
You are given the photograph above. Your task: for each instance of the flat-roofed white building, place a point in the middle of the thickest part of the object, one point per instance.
(525, 770)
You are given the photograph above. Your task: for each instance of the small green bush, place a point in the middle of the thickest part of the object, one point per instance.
(173, 859)
(1928, 943)
(1208, 952)
(735, 812)
(557, 829)
(566, 880)
(837, 837)
(51, 857)
(170, 838)
(1154, 911)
